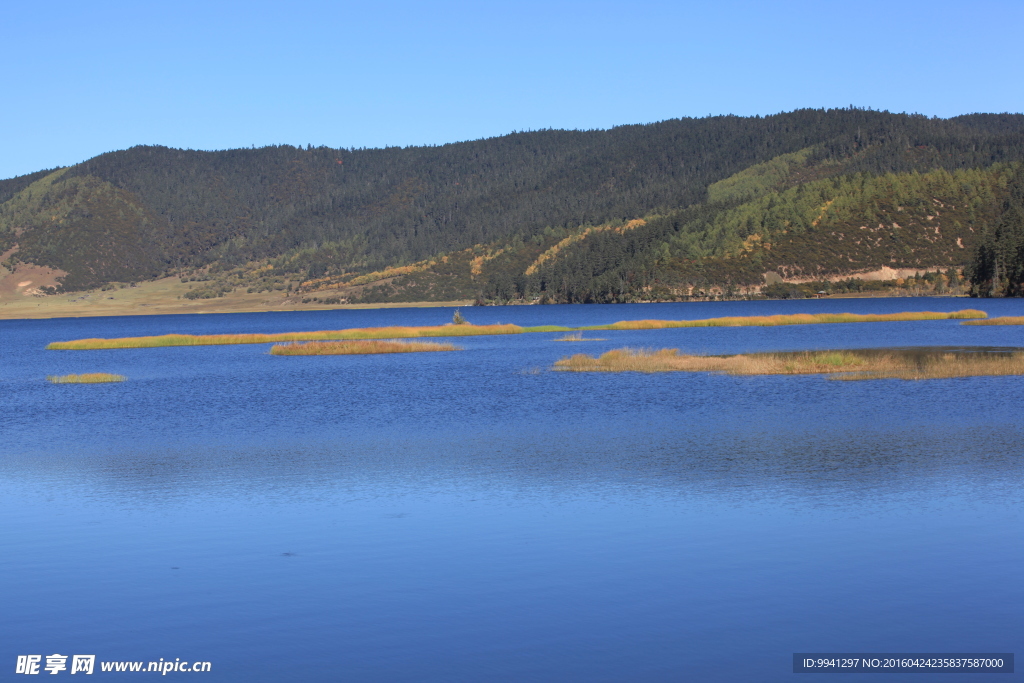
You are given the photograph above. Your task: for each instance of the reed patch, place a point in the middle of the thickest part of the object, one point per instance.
(86, 378)
(793, 319)
(338, 348)
(466, 330)
(1002, 320)
(857, 364)
(326, 335)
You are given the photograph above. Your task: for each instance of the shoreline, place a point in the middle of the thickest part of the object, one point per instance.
(70, 311)
(166, 297)
(23, 313)
(143, 300)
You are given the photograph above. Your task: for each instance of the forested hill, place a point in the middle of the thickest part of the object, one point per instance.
(322, 218)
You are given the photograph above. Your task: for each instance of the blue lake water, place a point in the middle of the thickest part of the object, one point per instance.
(473, 516)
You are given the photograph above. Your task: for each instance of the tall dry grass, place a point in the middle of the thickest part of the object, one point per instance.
(327, 335)
(1002, 320)
(847, 365)
(335, 348)
(794, 319)
(943, 366)
(86, 378)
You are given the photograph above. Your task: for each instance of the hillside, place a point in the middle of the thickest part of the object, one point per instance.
(850, 227)
(681, 208)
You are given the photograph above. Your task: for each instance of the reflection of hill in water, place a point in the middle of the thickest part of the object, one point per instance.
(749, 461)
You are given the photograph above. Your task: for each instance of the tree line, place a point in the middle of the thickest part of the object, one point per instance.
(316, 212)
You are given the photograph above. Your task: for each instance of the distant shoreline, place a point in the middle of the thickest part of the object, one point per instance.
(25, 312)
(154, 299)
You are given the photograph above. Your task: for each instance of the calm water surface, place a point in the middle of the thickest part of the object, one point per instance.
(472, 516)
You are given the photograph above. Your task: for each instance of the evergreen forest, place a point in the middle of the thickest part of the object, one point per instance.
(782, 205)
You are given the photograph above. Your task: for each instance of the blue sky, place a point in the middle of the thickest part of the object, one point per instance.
(81, 78)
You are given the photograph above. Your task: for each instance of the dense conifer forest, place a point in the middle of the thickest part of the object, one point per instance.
(718, 206)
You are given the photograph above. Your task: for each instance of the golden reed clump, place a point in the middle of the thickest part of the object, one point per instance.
(847, 365)
(795, 319)
(335, 348)
(1003, 320)
(86, 378)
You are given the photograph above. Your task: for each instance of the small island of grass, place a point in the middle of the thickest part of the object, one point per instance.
(325, 335)
(1002, 320)
(464, 329)
(792, 319)
(847, 364)
(86, 378)
(335, 348)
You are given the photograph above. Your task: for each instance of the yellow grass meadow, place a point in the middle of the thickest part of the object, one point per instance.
(335, 348)
(86, 378)
(847, 365)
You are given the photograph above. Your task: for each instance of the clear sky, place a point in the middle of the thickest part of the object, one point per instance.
(83, 78)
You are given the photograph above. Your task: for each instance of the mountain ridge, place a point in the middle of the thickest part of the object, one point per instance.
(315, 218)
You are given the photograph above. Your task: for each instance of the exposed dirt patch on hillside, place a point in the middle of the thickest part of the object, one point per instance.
(26, 280)
(881, 274)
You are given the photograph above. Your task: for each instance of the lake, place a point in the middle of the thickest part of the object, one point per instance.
(472, 516)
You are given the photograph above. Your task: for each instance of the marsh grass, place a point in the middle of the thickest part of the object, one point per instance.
(86, 378)
(1003, 320)
(465, 330)
(327, 335)
(795, 319)
(845, 365)
(335, 348)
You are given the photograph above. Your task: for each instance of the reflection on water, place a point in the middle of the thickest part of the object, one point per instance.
(425, 518)
(833, 467)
